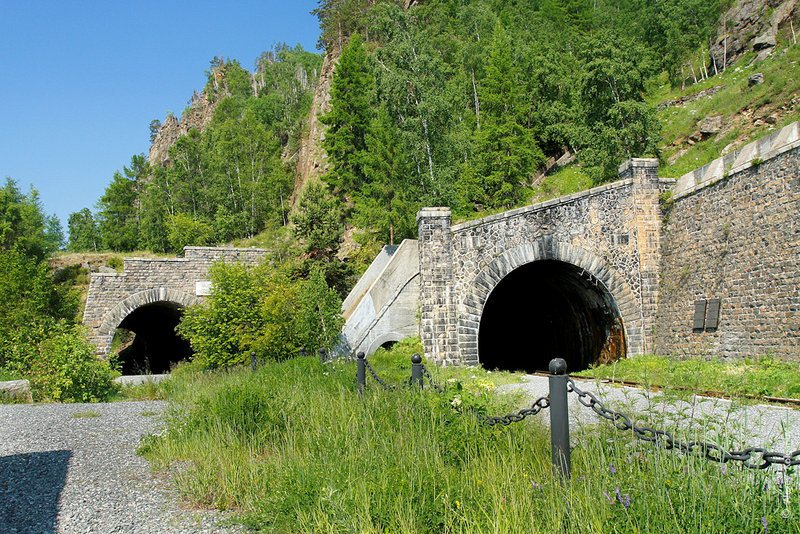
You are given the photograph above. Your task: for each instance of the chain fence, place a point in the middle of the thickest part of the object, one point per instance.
(561, 385)
(748, 456)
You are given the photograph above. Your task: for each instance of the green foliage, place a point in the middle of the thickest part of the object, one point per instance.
(294, 449)
(118, 210)
(39, 339)
(23, 224)
(318, 221)
(83, 232)
(319, 317)
(183, 231)
(762, 377)
(63, 367)
(260, 310)
(349, 118)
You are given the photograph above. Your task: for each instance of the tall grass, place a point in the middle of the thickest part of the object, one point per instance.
(765, 376)
(295, 449)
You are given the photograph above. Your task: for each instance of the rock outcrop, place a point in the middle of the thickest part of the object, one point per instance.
(312, 161)
(197, 116)
(750, 25)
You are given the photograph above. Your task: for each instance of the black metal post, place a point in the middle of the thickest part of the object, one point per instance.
(361, 372)
(559, 417)
(322, 356)
(416, 370)
(253, 364)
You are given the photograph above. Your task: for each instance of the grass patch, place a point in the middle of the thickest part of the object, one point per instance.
(7, 375)
(781, 84)
(763, 377)
(89, 413)
(295, 449)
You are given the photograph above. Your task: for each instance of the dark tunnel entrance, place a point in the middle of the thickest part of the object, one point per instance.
(156, 346)
(548, 309)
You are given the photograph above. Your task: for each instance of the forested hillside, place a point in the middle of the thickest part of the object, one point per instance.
(228, 179)
(472, 104)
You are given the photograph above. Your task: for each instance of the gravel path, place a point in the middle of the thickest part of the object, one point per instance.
(776, 428)
(73, 468)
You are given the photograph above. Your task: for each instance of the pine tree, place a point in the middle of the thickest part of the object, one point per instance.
(506, 152)
(349, 117)
(382, 204)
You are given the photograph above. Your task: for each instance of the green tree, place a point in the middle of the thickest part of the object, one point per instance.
(349, 117)
(83, 232)
(184, 230)
(23, 224)
(119, 209)
(616, 122)
(318, 221)
(382, 206)
(506, 152)
(319, 317)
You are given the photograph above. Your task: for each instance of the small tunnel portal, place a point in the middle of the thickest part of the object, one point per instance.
(156, 346)
(548, 309)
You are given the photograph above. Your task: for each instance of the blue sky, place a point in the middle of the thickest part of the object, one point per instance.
(81, 81)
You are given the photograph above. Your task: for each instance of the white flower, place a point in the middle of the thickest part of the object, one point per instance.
(456, 402)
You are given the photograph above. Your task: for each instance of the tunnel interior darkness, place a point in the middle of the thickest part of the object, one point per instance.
(548, 309)
(156, 346)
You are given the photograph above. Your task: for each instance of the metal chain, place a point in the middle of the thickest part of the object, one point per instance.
(701, 448)
(378, 379)
(540, 404)
(434, 385)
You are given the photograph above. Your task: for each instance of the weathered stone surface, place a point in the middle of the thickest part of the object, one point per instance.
(711, 125)
(19, 390)
(383, 305)
(113, 296)
(197, 117)
(765, 40)
(755, 79)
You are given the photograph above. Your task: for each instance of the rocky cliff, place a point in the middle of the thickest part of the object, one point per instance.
(751, 25)
(197, 116)
(312, 161)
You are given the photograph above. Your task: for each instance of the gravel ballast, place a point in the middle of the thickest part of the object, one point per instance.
(73, 468)
(776, 428)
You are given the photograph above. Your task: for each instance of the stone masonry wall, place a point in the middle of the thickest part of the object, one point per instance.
(736, 238)
(609, 231)
(112, 296)
(438, 322)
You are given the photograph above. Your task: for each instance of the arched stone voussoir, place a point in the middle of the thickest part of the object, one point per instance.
(124, 308)
(546, 249)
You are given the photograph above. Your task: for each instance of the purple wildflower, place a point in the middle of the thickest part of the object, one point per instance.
(612, 469)
(724, 469)
(627, 500)
(619, 495)
(609, 497)
(764, 522)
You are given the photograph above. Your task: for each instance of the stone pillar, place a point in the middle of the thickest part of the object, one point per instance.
(647, 222)
(439, 329)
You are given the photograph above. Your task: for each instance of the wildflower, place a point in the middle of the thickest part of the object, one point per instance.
(627, 500)
(535, 485)
(619, 495)
(612, 469)
(456, 402)
(609, 497)
(458, 504)
(764, 522)
(724, 469)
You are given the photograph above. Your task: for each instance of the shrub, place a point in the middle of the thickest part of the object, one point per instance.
(63, 367)
(262, 310)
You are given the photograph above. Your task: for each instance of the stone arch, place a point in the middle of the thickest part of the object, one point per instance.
(379, 341)
(547, 249)
(118, 313)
